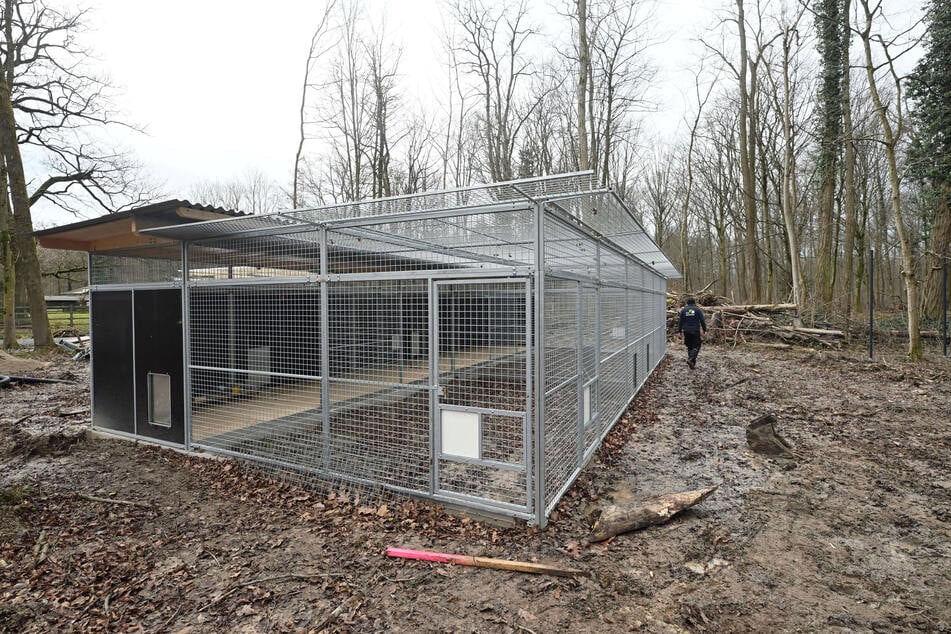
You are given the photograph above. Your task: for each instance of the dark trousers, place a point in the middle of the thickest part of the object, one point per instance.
(692, 341)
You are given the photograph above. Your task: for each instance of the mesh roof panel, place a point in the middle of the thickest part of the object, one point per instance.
(600, 211)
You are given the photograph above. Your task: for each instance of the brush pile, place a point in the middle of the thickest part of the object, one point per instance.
(774, 325)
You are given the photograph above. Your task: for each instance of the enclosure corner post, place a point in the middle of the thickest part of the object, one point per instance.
(541, 515)
(324, 318)
(92, 368)
(186, 349)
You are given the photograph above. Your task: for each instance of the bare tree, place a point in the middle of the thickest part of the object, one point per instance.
(784, 103)
(6, 260)
(688, 186)
(659, 194)
(383, 64)
(621, 75)
(57, 108)
(253, 192)
(494, 54)
(892, 130)
(19, 197)
(584, 67)
(318, 49)
(747, 162)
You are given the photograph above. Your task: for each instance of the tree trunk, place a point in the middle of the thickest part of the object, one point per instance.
(851, 204)
(584, 61)
(746, 167)
(938, 251)
(23, 221)
(789, 180)
(615, 520)
(7, 260)
(829, 24)
(891, 137)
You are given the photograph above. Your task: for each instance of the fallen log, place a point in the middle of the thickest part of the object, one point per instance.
(925, 334)
(615, 520)
(752, 308)
(483, 562)
(819, 332)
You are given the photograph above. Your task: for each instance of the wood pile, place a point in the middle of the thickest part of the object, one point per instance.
(775, 325)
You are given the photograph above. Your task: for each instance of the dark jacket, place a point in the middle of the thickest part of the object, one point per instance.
(691, 320)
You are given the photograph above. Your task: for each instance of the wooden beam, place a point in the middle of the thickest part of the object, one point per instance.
(126, 241)
(199, 214)
(66, 244)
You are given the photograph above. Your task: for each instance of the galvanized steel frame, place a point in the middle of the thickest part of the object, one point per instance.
(546, 212)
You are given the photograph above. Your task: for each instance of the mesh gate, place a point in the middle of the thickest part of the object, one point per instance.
(481, 412)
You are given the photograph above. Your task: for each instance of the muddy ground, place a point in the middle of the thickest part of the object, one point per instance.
(854, 535)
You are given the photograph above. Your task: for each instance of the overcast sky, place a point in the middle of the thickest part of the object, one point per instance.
(216, 83)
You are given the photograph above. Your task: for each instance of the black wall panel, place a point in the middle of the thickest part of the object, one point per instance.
(158, 349)
(112, 388)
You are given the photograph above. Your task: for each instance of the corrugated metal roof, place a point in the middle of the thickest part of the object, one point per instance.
(158, 208)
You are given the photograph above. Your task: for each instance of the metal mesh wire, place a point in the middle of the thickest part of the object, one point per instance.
(482, 374)
(607, 216)
(465, 241)
(255, 370)
(604, 326)
(379, 331)
(161, 263)
(260, 257)
(569, 251)
(562, 414)
(404, 359)
(380, 434)
(474, 196)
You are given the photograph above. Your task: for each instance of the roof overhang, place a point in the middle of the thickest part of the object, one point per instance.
(122, 230)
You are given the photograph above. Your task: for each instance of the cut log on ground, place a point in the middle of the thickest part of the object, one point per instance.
(820, 332)
(753, 308)
(762, 437)
(925, 334)
(615, 520)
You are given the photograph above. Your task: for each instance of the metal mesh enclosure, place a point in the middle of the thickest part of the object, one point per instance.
(158, 264)
(472, 346)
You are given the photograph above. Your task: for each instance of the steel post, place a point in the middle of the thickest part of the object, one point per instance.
(324, 335)
(539, 422)
(186, 349)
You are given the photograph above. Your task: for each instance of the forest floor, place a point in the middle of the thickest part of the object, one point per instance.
(854, 535)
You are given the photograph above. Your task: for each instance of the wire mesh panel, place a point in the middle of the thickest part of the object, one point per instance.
(562, 347)
(272, 256)
(473, 240)
(569, 251)
(612, 267)
(380, 435)
(481, 414)
(255, 371)
(590, 356)
(463, 198)
(614, 387)
(161, 263)
(379, 382)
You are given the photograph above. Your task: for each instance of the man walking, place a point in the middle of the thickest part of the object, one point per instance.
(689, 323)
